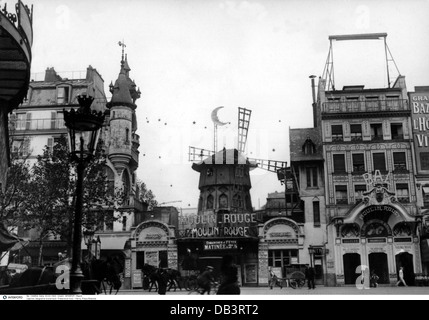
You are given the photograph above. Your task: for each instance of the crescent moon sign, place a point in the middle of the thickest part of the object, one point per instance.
(215, 117)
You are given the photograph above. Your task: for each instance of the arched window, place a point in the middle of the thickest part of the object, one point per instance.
(237, 202)
(126, 186)
(223, 201)
(309, 147)
(200, 204)
(210, 202)
(110, 176)
(124, 223)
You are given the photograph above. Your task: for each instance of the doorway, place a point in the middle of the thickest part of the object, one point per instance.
(405, 260)
(351, 261)
(378, 264)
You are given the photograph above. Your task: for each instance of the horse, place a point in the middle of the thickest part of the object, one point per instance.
(153, 276)
(104, 271)
(33, 276)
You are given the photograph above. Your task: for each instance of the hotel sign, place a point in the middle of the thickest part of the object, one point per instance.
(420, 126)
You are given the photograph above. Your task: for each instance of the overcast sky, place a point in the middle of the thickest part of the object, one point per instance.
(189, 57)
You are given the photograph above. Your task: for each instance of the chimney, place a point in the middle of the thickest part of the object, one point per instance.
(314, 104)
(51, 75)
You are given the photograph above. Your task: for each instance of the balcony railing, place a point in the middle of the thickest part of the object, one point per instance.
(365, 106)
(40, 124)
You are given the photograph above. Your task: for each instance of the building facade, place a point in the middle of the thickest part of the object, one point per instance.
(38, 122)
(16, 39)
(371, 198)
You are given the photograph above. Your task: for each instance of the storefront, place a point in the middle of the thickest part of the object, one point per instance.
(281, 247)
(204, 240)
(379, 237)
(152, 243)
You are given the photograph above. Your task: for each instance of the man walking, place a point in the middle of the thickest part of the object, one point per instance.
(401, 277)
(310, 275)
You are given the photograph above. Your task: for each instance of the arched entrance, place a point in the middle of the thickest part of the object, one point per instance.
(405, 260)
(351, 262)
(378, 264)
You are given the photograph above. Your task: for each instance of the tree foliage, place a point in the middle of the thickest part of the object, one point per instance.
(146, 195)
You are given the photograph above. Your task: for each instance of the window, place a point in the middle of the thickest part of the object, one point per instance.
(237, 202)
(376, 131)
(282, 258)
(20, 147)
(402, 192)
(62, 95)
(28, 121)
(359, 190)
(110, 176)
(53, 120)
(20, 121)
(50, 145)
(358, 162)
(341, 194)
(424, 160)
(309, 147)
(223, 201)
(356, 132)
(124, 223)
(337, 132)
(239, 171)
(397, 131)
(127, 136)
(210, 202)
(126, 185)
(379, 161)
(339, 163)
(316, 213)
(311, 173)
(399, 162)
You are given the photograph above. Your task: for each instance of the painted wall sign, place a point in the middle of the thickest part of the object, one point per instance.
(378, 208)
(240, 225)
(280, 231)
(153, 234)
(420, 126)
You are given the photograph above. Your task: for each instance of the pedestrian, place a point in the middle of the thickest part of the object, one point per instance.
(229, 283)
(310, 275)
(205, 279)
(273, 280)
(373, 280)
(161, 279)
(401, 277)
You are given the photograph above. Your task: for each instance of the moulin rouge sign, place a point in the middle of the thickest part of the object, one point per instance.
(239, 225)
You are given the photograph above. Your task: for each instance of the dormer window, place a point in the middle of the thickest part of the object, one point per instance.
(309, 147)
(63, 95)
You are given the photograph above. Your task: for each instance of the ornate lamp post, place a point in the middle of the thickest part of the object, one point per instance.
(84, 131)
(88, 238)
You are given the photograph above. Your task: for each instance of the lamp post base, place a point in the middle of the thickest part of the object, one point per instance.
(76, 278)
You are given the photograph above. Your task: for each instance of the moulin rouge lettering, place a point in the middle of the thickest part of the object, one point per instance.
(223, 225)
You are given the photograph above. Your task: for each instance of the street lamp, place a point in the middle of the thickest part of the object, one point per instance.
(84, 127)
(88, 238)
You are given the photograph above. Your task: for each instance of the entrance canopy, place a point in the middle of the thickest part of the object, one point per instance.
(391, 214)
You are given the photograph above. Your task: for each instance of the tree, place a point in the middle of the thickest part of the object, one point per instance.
(146, 195)
(49, 207)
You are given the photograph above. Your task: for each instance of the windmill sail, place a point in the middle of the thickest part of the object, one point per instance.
(243, 127)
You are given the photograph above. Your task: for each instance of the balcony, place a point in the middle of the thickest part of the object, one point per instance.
(39, 124)
(365, 106)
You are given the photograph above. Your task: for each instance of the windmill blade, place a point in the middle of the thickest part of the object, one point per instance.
(269, 165)
(243, 127)
(198, 154)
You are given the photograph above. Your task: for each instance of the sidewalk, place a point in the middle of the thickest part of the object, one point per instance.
(264, 291)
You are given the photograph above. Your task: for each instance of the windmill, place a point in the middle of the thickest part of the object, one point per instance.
(224, 174)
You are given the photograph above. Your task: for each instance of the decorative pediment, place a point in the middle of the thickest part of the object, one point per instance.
(379, 195)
